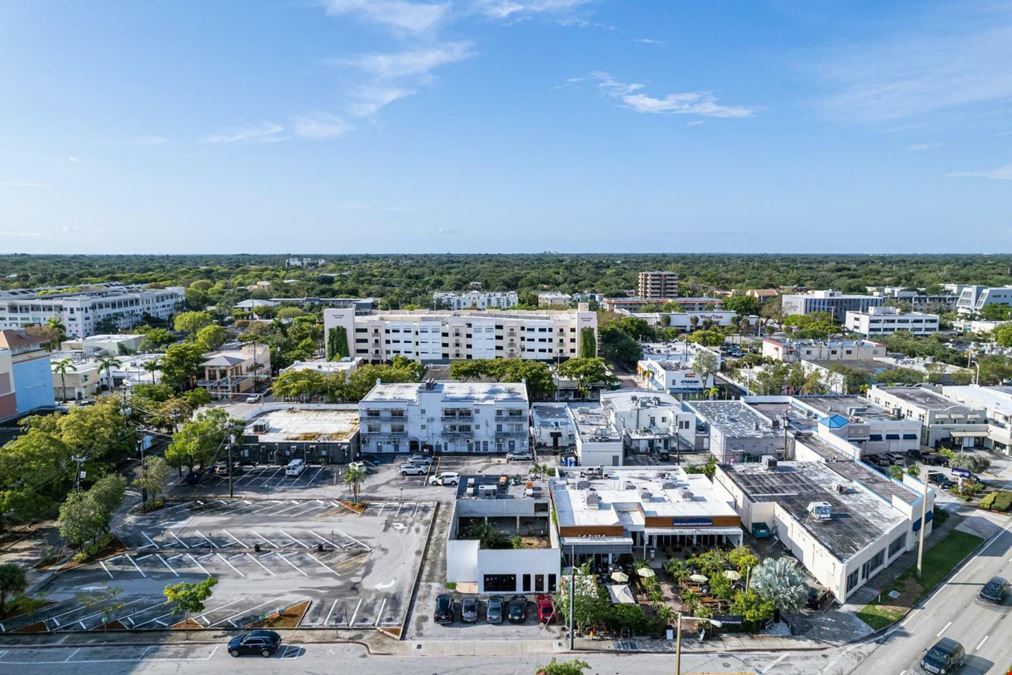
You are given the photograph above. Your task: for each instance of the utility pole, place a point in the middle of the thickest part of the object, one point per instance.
(924, 526)
(80, 460)
(144, 473)
(231, 487)
(678, 646)
(572, 597)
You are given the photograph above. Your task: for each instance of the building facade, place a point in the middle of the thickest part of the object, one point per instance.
(833, 302)
(236, 372)
(972, 299)
(649, 421)
(475, 300)
(8, 400)
(738, 432)
(942, 419)
(429, 336)
(791, 351)
(996, 402)
(658, 284)
(30, 371)
(466, 417)
(888, 320)
(82, 310)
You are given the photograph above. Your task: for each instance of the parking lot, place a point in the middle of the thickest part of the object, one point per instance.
(264, 479)
(355, 571)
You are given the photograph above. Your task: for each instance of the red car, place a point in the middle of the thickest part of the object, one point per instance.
(546, 609)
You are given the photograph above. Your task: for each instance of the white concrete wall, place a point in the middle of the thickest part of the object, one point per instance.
(519, 562)
(462, 561)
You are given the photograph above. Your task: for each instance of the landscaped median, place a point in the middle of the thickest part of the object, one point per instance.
(939, 561)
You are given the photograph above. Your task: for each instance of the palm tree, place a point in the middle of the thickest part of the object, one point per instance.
(485, 532)
(353, 476)
(61, 367)
(58, 330)
(152, 367)
(106, 363)
(782, 582)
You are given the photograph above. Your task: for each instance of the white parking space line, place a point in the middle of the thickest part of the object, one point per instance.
(269, 542)
(185, 545)
(382, 506)
(294, 539)
(166, 563)
(268, 505)
(939, 633)
(318, 472)
(415, 509)
(379, 614)
(127, 617)
(136, 566)
(105, 568)
(266, 569)
(324, 540)
(330, 613)
(230, 565)
(150, 541)
(81, 620)
(294, 651)
(295, 506)
(348, 536)
(294, 566)
(245, 611)
(233, 537)
(324, 565)
(266, 482)
(213, 545)
(351, 621)
(981, 644)
(73, 653)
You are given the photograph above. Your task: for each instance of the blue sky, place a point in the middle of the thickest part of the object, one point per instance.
(371, 126)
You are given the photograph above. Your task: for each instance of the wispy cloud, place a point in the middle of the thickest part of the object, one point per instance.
(997, 173)
(12, 233)
(650, 41)
(320, 126)
(21, 184)
(396, 75)
(72, 158)
(263, 132)
(147, 140)
(942, 61)
(511, 9)
(921, 147)
(701, 103)
(415, 17)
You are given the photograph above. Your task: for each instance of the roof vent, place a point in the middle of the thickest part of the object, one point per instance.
(593, 499)
(582, 484)
(646, 495)
(769, 462)
(687, 495)
(668, 485)
(821, 511)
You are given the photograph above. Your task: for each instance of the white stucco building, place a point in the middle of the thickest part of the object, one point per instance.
(474, 300)
(831, 301)
(972, 299)
(942, 419)
(888, 320)
(996, 402)
(650, 421)
(445, 417)
(790, 351)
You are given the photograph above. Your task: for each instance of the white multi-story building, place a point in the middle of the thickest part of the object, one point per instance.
(445, 417)
(552, 426)
(650, 421)
(442, 335)
(554, 299)
(475, 300)
(791, 351)
(888, 320)
(972, 299)
(834, 302)
(81, 310)
(997, 405)
(941, 418)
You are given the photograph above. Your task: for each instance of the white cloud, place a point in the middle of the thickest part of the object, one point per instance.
(920, 147)
(415, 17)
(370, 100)
(11, 233)
(508, 9)
(997, 173)
(72, 158)
(320, 126)
(695, 123)
(264, 132)
(413, 63)
(945, 60)
(650, 41)
(22, 184)
(701, 103)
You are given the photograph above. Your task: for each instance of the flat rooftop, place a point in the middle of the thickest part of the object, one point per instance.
(921, 397)
(843, 405)
(822, 448)
(628, 495)
(734, 418)
(867, 365)
(305, 425)
(995, 399)
(592, 424)
(413, 314)
(504, 489)
(462, 392)
(630, 399)
(550, 414)
(860, 517)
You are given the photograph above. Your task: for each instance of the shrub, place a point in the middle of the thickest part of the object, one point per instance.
(1000, 500)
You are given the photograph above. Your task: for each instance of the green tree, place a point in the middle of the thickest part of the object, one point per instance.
(289, 313)
(211, 337)
(971, 462)
(486, 533)
(107, 363)
(63, 366)
(1003, 335)
(353, 477)
(337, 343)
(198, 441)
(996, 313)
(156, 338)
(12, 583)
(896, 472)
(588, 343)
(189, 598)
(780, 581)
(180, 365)
(743, 305)
(153, 477)
(300, 385)
(152, 366)
(556, 667)
(76, 521)
(619, 346)
(56, 330)
(191, 322)
(705, 364)
(588, 372)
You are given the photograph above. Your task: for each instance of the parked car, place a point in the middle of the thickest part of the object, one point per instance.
(518, 609)
(262, 642)
(546, 608)
(445, 478)
(295, 467)
(934, 459)
(193, 477)
(937, 477)
(947, 656)
(420, 459)
(493, 610)
(519, 456)
(994, 590)
(221, 469)
(254, 398)
(409, 469)
(444, 609)
(469, 609)
(358, 465)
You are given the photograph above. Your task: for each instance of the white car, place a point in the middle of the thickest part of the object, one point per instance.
(518, 456)
(445, 478)
(413, 469)
(295, 467)
(358, 465)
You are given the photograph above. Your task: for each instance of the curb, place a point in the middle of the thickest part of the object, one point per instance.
(418, 573)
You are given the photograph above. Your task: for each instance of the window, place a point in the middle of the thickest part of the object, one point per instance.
(527, 583)
(897, 545)
(501, 583)
(552, 583)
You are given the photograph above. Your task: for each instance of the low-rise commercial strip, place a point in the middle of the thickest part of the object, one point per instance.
(318, 433)
(888, 320)
(649, 421)
(942, 419)
(791, 351)
(736, 432)
(996, 402)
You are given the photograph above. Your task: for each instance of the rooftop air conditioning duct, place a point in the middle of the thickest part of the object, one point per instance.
(821, 511)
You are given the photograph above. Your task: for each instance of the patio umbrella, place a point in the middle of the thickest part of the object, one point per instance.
(731, 575)
(620, 577)
(698, 578)
(645, 572)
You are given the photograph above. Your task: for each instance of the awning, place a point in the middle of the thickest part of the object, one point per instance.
(698, 531)
(600, 545)
(620, 594)
(968, 434)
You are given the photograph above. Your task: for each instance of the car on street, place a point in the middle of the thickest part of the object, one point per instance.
(408, 469)
(358, 465)
(262, 642)
(494, 609)
(254, 398)
(940, 479)
(518, 456)
(295, 467)
(518, 609)
(444, 609)
(994, 590)
(445, 478)
(946, 656)
(546, 608)
(221, 469)
(469, 609)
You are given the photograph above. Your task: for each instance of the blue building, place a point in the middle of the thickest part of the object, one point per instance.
(30, 371)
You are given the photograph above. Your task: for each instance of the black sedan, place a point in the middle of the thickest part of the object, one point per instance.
(518, 609)
(262, 642)
(444, 609)
(494, 609)
(994, 590)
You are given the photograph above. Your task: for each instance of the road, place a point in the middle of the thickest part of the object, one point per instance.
(955, 612)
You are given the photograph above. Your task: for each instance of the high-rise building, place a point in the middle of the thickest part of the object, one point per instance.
(658, 284)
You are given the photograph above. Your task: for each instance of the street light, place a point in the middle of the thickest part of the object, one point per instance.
(678, 637)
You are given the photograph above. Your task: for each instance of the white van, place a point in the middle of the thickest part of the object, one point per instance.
(295, 467)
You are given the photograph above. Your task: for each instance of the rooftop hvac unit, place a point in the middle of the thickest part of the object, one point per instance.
(582, 484)
(687, 495)
(646, 495)
(668, 485)
(821, 511)
(769, 462)
(593, 499)
(842, 488)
